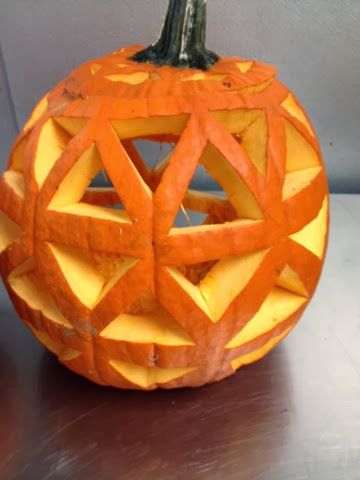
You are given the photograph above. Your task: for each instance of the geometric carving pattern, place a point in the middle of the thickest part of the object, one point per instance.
(106, 277)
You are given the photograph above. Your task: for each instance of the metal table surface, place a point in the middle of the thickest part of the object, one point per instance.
(294, 415)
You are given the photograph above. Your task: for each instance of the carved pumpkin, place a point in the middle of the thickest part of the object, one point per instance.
(104, 277)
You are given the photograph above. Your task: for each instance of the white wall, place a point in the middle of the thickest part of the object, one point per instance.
(315, 44)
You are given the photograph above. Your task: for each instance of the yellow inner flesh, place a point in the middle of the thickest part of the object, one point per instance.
(203, 76)
(71, 125)
(17, 158)
(235, 121)
(277, 307)
(38, 112)
(222, 284)
(211, 228)
(16, 181)
(142, 127)
(24, 283)
(55, 347)
(69, 354)
(290, 105)
(83, 275)
(290, 280)
(297, 181)
(147, 376)
(299, 153)
(130, 78)
(257, 88)
(86, 210)
(254, 140)
(155, 327)
(95, 67)
(74, 185)
(238, 193)
(244, 66)
(313, 235)
(52, 142)
(9, 231)
(259, 353)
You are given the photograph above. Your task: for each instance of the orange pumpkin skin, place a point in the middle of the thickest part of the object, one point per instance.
(124, 298)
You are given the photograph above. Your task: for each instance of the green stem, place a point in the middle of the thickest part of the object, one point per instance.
(182, 40)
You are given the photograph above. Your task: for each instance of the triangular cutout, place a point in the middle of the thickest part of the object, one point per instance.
(313, 235)
(233, 199)
(90, 275)
(236, 121)
(95, 67)
(244, 67)
(299, 153)
(17, 155)
(297, 181)
(52, 142)
(15, 180)
(292, 107)
(232, 184)
(9, 231)
(218, 285)
(254, 141)
(279, 305)
(154, 153)
(146, 321)
(146, 377)
(74, 191)
(290, 280)
(25, 283)
(70, 124)
(260, 352)
(155, 126)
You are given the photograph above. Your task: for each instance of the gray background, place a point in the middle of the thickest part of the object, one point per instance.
(314, 43)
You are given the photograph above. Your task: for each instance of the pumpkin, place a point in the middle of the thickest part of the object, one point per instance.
(104, 276)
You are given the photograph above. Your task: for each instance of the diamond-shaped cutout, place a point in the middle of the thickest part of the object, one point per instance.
(213, 289)
(74, 191)
(90, 275)
(146, 321)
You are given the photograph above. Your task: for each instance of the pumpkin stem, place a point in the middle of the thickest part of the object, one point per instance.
(182, 40)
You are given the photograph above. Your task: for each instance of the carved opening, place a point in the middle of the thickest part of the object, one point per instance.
(313, 235)
(74, 193)
(214, 287)
(9, 231)
(279, 305)
(146, 321)
(146, 377)
(25, 282)
(90, 275)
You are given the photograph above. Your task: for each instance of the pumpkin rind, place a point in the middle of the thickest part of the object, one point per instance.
(73, 265)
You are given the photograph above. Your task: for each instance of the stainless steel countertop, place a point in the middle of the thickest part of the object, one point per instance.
(294, 415)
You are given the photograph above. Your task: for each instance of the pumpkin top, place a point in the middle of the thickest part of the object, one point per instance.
(231, 83)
